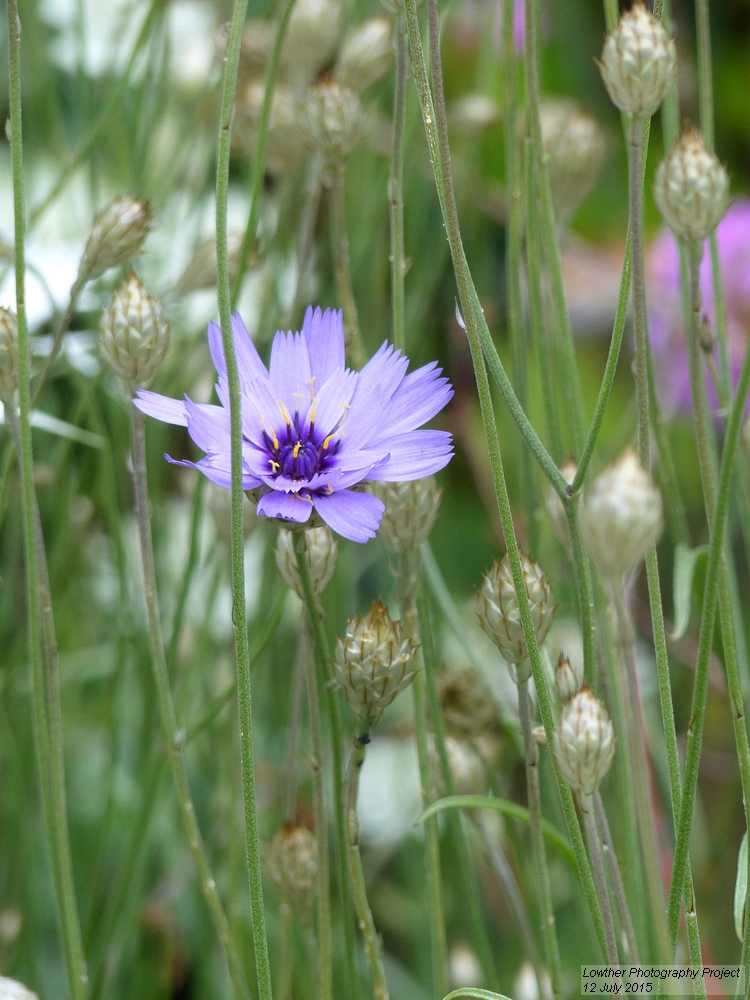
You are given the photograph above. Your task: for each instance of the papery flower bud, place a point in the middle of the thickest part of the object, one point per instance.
(257, 43)
(134, 333)
(554, 505)
(539, 736)
(638, 62)
(366, 54)
(374, 662)
(691, 188)
(464, 968)
(8, 357)
(576, 147)
(117, 235)
(584, 742)
(333, 120)
(468, 706)
(322, 552)
(500, 615)
(201, 272)
(311, 39)
(621, 515)
(11, 989)
(286, 138)
(410, 512)
(472, 114)
(292, 865)
(466, 767)
(567, 681)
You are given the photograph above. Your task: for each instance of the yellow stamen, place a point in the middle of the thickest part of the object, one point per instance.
(274, 465)
(328, 441)
(296, 449)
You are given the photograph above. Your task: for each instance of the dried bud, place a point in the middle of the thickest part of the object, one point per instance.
(410, 512)
(691, 188)
(311, 39)
(134, 333)
(201, 273)
(8, 357)
(539, 736)
(366, 55)
(567, 681)
(464, 968)
(292, 865)
(638, 62)
(374, 662)
(621, 515)
(472, 114)
(11, 989)
(467, 769)
(499, 613)
(285, 141)
(322, 552)
(576, 147)
(257, 43)
(117, 235)
(555, 510)
(333, 120)
(467, 703)
(584, 742)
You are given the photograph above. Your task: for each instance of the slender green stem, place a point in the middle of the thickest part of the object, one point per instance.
(342, 270)
(173, 733)
(285, 952)
(62, 329)
(46, 707)
(595, 852)
(396, 186)
(306, 233)
(187, 577)
(608, 847)
(705, 87)
(533, 792)
(361, 904)
(229, 84)
(584, 590)
(635, 188)
(259, 165)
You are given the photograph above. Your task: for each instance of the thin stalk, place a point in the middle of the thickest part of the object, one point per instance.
(46, 715)
(533, 792)
(259, 164)
(434, 117)
(608, 847)
(705, 88)
(595, 851)
(292, 743)
(62, 329)
(174, 735)
(341, 268)
(635, 188)
(187, 576)
(306, 233)
(361, 904)
(396, 186)
(285, 952)
(584, 590)
(321, 827)
(247, 763)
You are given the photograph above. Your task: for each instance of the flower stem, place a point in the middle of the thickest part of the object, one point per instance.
(595, 852)
(285, 952)
(635, 188)
(260, 942)
(62, 329)
(584, 589)
(396, 186)
(174, 734)
(340, 237)
(616, 878)
(47, 723)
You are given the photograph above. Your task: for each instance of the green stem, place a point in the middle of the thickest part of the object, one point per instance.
(173, 733)
(187, 576)
(705, 89)
(229, 84)
(62, 329)
(623, 909)
(340, 237)
(595, 852)
(46, 712)
(396, 186)
(259, 165)
(285, 952)
(635, 188)
(584, 590)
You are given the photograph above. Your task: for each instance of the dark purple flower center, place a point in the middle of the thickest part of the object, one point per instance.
(303, 454)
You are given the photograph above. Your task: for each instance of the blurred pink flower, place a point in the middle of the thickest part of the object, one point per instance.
(665, 322)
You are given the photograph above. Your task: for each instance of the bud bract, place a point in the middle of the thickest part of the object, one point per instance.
(321, 553)
(292, 865)
(134, 333)
(576, 147)
(311, 39)
(11, 989)
(567, 681)
(464, 968)
(467, 703)
(621, 515)
(8, 357)
(117, 235)
(500, 615)
(584, 742)
(466, 767)
(333, 120)
(366, 55)
(410, 512)
(691, 188)
(374, 662)
(638, 62)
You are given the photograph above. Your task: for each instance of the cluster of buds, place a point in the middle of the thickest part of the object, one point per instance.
(117, 235)
(500, 615)
(134, 334)
(8, 357)
(638, 62)
(576, 147)
(621, 516)
(292, 865)
(321, 554)
(691, 189)
(467, 704)
(374, 662)
(584, 742)
(410, 512)
(568, 680)
(467, 770)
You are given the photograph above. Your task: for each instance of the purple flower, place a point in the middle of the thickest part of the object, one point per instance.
(311, 428)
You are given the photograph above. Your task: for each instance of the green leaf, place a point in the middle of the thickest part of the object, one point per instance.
(740, 889)
(507, 808)
(685, 561)
(468, 991)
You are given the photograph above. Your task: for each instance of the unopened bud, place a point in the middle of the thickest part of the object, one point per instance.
(621, 515)
(117, 235)
(11, 989)
(584, 742)
(292, 865)
(554, 505)
(466, 767)
(638, 62)
(691, 188)
(201, 272)
(8, 357)
(410, 512)
(285, 140)
(321, 553)
(576, 147)
(500, 615)
(134, 333)
(333, 120)
(374, 662)
(366, 55)
(467, 703)
(311, 39)
(567, 680)
(473, 114)
(464, 968)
